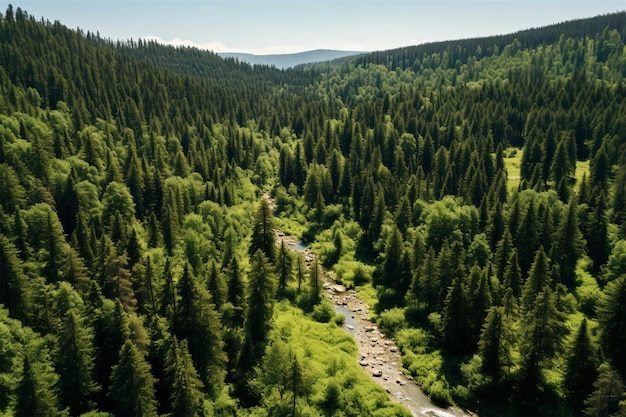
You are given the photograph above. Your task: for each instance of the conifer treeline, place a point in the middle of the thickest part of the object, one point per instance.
(135, 281)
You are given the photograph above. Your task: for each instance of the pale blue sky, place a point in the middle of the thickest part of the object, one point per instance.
(270, 26)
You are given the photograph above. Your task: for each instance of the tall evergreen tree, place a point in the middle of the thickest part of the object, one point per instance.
(132, 384)
(36, 395)
(455, 321)
(568, 245)
(197, 321)
(186, 388)
(581, 367)
(542, 340)
(494, 344)
(75, 364)
(263, 237)
(538, 278)
(611, 311)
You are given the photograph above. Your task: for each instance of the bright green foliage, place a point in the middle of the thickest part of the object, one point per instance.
(132, 384)
(130, 174)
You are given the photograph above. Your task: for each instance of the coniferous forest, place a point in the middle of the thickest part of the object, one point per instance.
(473, 192)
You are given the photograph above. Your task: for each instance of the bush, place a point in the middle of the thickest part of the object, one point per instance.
(390, 321)
(323, 312)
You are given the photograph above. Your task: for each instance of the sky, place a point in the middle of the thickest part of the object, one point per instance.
(287, 26)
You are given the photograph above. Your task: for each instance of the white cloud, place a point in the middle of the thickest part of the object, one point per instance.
(210, 46)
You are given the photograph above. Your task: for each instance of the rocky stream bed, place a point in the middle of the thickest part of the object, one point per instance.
(378, 355)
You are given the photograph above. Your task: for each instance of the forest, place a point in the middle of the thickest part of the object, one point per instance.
(472, 192)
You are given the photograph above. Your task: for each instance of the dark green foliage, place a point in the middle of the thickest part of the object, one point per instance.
(608, 389)
(582, 367)
(130, 172)
(611, 311)
(186, 387)
(132, 384)
(197, 321)
(36, 394)
(75, 364)
(542, 340)
(263, 237)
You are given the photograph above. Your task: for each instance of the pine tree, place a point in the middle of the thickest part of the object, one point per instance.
(216, 284)
(542, 339)
(568, 245)
(132, 384)
(527, 238)
(494, 344)
(263, 237)
(257, 322)
(284, 268)
(611, 311)
(316, 282)
(13, 281)
(185, 385)
(75, 363)
(538, 278)
(35, 393)
(455, 321)
(581, 367)
(197, 320)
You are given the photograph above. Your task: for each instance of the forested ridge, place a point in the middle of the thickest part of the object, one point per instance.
(473, 192)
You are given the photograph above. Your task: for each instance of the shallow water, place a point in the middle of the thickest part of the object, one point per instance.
(379, 353)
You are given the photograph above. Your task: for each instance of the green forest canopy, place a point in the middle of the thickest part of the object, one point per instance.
(129, 260)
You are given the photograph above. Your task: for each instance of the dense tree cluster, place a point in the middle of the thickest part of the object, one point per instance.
(477, 188)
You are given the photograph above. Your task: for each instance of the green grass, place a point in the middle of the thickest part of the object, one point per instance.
(327, 355)
(512, 162)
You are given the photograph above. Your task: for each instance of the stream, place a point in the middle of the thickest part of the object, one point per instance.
(378, 355)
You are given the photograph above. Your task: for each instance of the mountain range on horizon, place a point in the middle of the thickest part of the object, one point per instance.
(284, 61)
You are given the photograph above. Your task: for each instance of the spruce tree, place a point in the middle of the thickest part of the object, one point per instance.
(494, 344)
(455, 321)
(197, 320)
(75, 363)
(611, 311)
(543, 334)
(263, 237)
(186, 388)
(35, 394)
(568, 245)
(581, 367)
(538, 278)
(132, 384)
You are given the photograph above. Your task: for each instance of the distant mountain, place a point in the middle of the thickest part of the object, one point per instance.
(283, 61)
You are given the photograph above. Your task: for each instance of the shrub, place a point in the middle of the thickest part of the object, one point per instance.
(390, 321)
(323, 312)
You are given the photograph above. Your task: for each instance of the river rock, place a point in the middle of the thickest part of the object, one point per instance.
(338, 289)
(377, 372)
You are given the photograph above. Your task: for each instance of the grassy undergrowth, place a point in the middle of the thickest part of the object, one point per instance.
(336, 383)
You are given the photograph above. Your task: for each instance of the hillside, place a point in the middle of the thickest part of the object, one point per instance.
(472, 193)
(283, 61)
